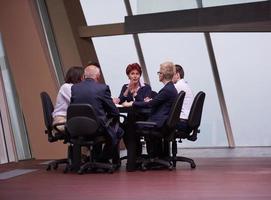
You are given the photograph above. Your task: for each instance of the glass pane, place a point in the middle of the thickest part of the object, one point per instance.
(244, 67)
(114, 54)
(188, 50)
(153, 6)
(210, 3)
(103, 11)
(133, 4)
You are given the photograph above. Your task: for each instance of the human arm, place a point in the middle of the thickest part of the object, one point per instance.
(160, 98)
(125, 95)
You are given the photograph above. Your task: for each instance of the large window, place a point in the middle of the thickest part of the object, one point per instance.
(103, 11)
(188, 50)
(210, 3)
(114, 54)
(244, 67)
(155, 6)
(243, 64)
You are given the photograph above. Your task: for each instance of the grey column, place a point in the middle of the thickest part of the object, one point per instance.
(218, 85)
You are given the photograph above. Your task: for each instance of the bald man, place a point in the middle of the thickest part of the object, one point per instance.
(90, 91)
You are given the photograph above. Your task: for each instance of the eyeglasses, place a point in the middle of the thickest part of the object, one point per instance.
(158, 73)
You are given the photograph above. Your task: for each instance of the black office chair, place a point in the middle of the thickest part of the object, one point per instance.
(150, 133)
(84, 130)
(52, 131)
(191, 132)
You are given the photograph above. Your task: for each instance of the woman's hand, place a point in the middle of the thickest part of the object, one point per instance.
(132, 88)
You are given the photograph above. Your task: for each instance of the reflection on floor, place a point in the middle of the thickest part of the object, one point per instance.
(222, 152)
(14, 173)
(227, 152)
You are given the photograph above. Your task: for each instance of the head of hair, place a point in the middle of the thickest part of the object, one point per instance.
(92, 71)
(179, 70)
(168, 70)
(93, 63)
(74, 74)
(134, 66)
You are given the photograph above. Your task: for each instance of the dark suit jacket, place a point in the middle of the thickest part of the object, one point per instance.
(144, 91)
(160, 104)
(99, 96)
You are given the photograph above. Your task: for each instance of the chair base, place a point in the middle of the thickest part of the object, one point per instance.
(96, 165)
(183, 159)
(54, 164)
(154, 163)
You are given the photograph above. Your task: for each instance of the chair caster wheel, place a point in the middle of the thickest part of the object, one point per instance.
(143, 167)
(110, 171)
(65, 171)
(55, 166)
(48, 168)
(193, 165)
(82, 170)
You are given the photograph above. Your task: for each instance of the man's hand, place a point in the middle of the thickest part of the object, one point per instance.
(147, 99)
(127, 104)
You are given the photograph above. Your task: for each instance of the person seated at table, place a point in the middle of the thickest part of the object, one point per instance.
(160, 108)
(135, 90)
(90, 91)
(182, 85)
(74, 75)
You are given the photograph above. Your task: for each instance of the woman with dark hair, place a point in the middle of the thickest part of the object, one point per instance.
(135, 90)
(74, 75)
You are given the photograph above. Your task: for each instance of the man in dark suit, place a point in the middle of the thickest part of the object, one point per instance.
(90, 91)
(160, 108)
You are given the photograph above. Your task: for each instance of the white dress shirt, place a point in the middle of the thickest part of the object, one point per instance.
(182, 85)
(63, 100)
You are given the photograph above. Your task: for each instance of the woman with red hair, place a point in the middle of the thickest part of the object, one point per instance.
(135, 90)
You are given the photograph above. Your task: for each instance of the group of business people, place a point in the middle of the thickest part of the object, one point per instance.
(82, 86)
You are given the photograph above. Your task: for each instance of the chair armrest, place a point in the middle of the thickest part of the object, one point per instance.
(194, 135)
(58, 135)
(56, 126)
(144, 124)
(146, 128)
(146, 111)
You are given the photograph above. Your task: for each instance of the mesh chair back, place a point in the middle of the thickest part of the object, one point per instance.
(194, 117)
(48, 108)
(81, 120)
(175, 111)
